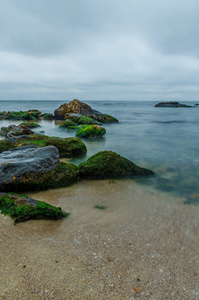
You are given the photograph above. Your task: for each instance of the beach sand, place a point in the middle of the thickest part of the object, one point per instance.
(144, 245)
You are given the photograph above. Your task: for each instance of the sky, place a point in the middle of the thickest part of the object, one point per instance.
(99, 50)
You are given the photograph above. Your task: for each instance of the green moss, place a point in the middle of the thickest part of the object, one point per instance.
(68, 147)
(84, 120)
(64, 175)
(30, 124)
(91, 131)
(107, 119)
(20, 210)
(101, 207)
(69, 124)
(108, 164)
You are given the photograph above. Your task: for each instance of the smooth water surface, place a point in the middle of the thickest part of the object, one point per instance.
(162, 139)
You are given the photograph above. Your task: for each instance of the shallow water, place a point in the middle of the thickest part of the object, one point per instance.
(162, 139)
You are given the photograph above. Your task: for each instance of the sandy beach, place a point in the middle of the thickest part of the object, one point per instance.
(144, 245)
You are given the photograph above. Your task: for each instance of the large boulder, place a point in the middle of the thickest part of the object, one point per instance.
(91, 132)
(171, 104)
(108, 164)
(68, 147)
(81, 108)
(14, 130)
(33, 168)
(23, 208)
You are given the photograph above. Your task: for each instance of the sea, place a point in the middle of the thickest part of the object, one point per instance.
(165, 140)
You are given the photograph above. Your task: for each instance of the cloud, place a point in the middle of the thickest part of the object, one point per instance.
(132, 50)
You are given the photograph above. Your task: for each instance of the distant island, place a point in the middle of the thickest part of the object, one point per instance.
(172, 104)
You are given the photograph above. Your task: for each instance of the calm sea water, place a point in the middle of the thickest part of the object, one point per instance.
(162, 139)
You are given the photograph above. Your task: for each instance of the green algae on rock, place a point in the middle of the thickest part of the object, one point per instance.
(22, 208)
(107, 119)
(91, 131)
(84, 120)
(108, 164)
(68, 147)
(30, 124)
(69, 124)
(63, 175)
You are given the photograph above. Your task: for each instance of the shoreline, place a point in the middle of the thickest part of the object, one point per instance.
(145, 245)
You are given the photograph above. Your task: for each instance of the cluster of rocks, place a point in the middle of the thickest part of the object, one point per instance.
(30, 115)
(30, 161)
(65, 111)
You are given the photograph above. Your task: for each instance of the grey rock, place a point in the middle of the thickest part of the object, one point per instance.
(26, 161)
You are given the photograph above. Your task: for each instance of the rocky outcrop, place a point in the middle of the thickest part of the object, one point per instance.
(108, 164)
(30, 115)
(91, 132)
(81, 108)
(171, 104)
(23, 208)
(30, 124)
(32, 168)
(14, 130)
(68, 147)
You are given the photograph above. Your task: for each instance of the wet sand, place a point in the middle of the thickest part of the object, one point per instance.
(145, 245)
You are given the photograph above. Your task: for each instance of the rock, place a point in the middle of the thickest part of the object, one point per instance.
(30, 124)
(69, 124)
(47, 116)
(30, 115)
(68, 147)
(107, 119)
(81, 108)
(23, 208)
(14, 130)
(171, 104)
(83, 120)
(31, 168)
(91, 132)
(108, 164)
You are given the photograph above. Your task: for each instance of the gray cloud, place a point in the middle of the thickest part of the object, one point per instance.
(131, 49)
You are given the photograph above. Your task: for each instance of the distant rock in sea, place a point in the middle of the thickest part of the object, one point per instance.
(171, 104)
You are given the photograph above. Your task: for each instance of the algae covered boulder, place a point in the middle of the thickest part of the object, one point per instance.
(68, 147)
(80, 108)
(30, 124)
(108, 164)
(69, 124)
(91, 132)
(31, 168)
(22, 208)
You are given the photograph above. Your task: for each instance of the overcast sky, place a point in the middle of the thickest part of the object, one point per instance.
(99, 49)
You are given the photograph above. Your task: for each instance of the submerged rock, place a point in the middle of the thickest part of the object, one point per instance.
(68, 147)
(81, 108)
(91, 132)
(108, 164)
(171, 104)
(22, 208)
(32, 168)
